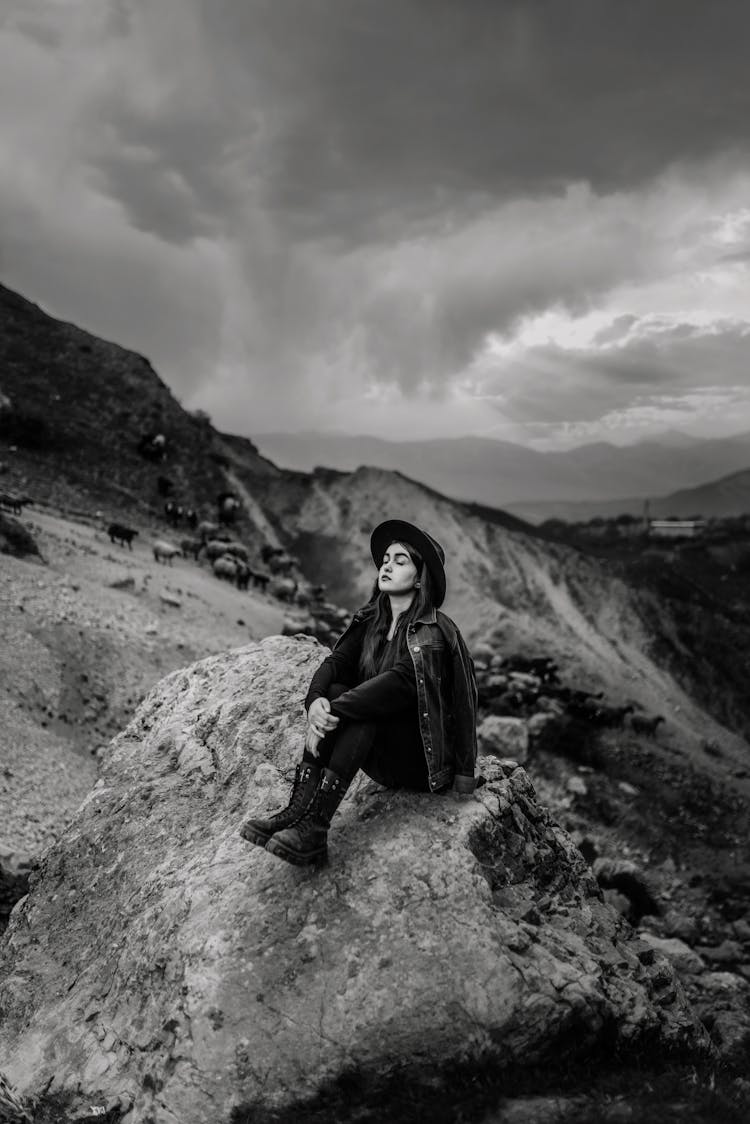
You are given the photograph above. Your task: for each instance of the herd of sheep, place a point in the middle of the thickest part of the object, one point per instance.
(229, 560)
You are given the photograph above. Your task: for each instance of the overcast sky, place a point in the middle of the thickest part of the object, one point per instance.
(409, 218)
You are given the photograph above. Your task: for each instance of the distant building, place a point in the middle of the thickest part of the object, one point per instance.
(676, 528)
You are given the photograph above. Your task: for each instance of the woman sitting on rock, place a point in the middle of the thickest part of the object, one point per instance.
(396, 698)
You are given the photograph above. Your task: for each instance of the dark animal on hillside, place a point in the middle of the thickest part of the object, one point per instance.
(581, 704)
(164, 486)
(152, 446)
(191, 548)
(260, 580)
(585, 696)
(542, 666)
(173, 512)
(509, 702)
(119, 533)
(13, 502)
(165, 551)
(227, 506)
(191, 518)
(610, 715)
(242, 573)
(643, 724)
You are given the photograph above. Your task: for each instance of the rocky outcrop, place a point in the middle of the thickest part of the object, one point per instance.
(15, 538)
(161, 960)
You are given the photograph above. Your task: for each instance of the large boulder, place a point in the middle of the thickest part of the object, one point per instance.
(161, 960)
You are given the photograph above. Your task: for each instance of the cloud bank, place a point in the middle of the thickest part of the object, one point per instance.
(399, 217)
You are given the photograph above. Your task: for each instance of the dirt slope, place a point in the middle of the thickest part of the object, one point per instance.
(77, 655)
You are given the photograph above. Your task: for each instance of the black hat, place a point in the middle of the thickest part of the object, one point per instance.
(397, 530)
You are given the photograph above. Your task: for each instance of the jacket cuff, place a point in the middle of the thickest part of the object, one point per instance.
(463, 784)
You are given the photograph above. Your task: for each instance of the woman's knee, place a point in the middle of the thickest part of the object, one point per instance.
(335, 690)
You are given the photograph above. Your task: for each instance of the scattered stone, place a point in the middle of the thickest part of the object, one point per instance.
(170, 599)
(577, 786)
(503, 737)
(684, 959)
(628, 789)
(741, 929)
(123, 583)
(728, 952)
(618, 901)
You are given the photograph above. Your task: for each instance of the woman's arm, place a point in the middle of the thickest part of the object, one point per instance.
(342, 666)
(389, 693)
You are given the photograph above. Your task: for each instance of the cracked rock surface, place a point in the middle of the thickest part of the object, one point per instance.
(162, 960)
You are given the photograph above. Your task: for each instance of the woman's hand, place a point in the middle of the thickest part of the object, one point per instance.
(320, 721)
(312, 741)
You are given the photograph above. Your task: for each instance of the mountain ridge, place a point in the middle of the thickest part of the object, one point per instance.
(503, 474)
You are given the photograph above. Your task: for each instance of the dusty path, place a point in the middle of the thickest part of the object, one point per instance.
(83, 636)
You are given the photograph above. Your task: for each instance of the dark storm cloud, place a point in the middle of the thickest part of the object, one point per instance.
(310, 204)
(415, 100)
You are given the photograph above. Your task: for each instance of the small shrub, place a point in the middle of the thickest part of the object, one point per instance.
(15, 538)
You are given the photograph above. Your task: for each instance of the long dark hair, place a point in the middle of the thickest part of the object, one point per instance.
(377, 655)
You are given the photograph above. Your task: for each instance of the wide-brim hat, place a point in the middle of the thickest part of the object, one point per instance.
(398, 530)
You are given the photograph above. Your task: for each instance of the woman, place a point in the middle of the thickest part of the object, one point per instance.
(396, 698)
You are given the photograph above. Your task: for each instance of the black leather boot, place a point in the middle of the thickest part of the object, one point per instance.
(306, 841)
(306, 778)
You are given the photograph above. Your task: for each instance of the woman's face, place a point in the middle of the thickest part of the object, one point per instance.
(397, 573)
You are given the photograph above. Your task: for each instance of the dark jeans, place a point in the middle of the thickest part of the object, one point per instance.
(389, 751)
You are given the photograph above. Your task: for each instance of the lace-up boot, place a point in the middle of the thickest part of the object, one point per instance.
(259, 831)
(306, 841)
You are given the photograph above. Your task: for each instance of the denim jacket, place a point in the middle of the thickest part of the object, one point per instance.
(446, 697)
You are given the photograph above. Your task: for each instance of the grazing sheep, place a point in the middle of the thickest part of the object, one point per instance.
(225, 567)
(283, 588)
(15, 503)
(191, 548)
(119, 533)
(645, 724)
(165, 551)
(216, 547)
(206, 530)
(281, 563)
(525, 679)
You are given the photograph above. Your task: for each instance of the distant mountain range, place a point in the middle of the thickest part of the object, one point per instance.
(730, 495)
(533, 485)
